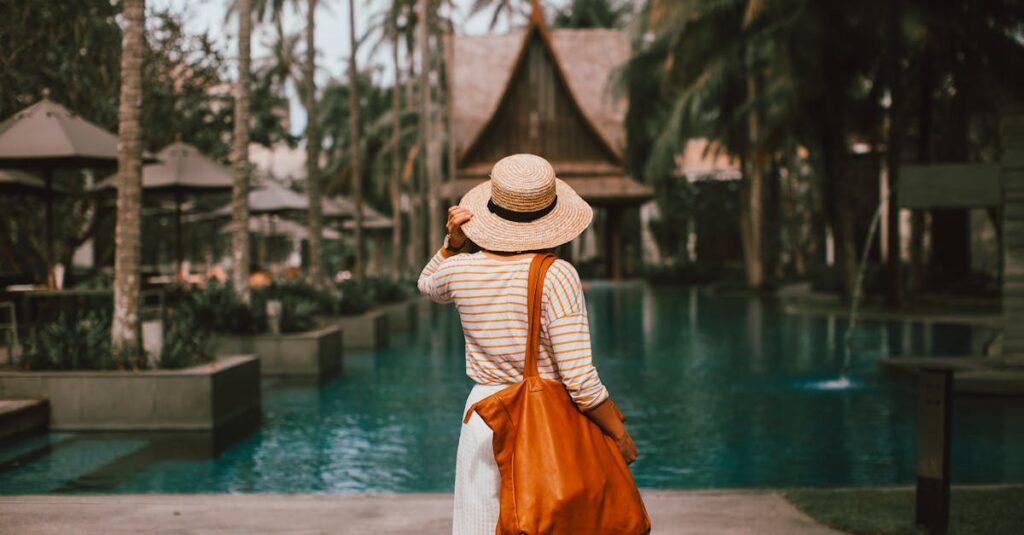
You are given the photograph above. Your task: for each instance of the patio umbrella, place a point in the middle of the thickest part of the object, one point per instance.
(284, 227)
(270, 197)
(182, 169)
(372, 220)
(14, 181)
(47, 136)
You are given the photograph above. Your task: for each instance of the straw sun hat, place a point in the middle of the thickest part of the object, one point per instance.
(524, 207)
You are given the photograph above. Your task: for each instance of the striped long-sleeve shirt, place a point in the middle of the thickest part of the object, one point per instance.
(490, 295)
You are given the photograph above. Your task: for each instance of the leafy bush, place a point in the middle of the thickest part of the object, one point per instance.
(185, 337)
(219, 309)
(360, 296)
(298, 314)
(75, 341)
(385, 291)
(320, 298)
(355, 298)
(301, 304)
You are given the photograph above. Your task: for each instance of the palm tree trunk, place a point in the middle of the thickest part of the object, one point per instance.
(838, 191)
(126, 330)
(396, 162)
(753, 251)
(924, 142)
(431, 184)
(415, 245)
(313, 153)
(354, 125)
(240, 156)
(894, 274)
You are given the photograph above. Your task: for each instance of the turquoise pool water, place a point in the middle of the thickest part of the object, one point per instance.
(719, 392)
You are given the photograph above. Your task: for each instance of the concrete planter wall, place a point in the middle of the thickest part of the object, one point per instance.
(403, 316)
(369, 330)
(315, 353)
(203, 398)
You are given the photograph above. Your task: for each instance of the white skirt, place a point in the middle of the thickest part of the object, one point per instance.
(477, 480)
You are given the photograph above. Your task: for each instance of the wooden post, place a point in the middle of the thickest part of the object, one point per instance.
(1013, 235)
(178, 275)
(934, 403)
(613, 237)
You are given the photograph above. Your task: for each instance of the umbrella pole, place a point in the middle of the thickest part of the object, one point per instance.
(270, 238)
(177, 235)
(50, 281)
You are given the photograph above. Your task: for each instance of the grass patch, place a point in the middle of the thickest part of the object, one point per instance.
(973, 511)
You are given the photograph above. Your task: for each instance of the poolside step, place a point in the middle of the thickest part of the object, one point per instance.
(21, 415)
(982, 376)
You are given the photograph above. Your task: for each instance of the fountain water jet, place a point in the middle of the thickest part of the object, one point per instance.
(843, 382)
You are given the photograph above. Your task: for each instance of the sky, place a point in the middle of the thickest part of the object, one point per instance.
(332, 34)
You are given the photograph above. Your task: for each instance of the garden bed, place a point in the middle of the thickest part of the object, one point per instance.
(368, 330)
(204, 397)
(315, 353)
(402, 316)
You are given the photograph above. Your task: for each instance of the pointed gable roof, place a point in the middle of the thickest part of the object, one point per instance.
(481, 70)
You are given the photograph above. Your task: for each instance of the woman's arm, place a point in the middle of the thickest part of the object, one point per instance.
(608, 417)
(431, 283)
(569, 336)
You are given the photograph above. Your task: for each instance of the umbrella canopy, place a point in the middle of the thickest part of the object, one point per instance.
(273, 198)
(12, 180)
(281, 227)
(48, 133)
(372, 220)
(181, 167)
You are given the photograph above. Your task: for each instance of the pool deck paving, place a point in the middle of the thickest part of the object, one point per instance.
(672, 512)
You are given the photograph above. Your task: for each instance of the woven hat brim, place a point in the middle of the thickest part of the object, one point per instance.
(570, 217)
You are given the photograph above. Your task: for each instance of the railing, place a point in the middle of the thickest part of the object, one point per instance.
(29, 310)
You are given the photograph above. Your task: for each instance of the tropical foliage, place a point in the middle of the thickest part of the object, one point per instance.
(791, 85)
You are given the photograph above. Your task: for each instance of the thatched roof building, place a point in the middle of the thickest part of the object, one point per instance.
(546, 92)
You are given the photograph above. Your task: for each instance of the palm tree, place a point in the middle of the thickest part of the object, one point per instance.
(240, 156)
(509, 8)
(427, 139)
(355, 126)
(126, 331)
(395, 188)
(313, 152)
(710, 91)
(592, 14)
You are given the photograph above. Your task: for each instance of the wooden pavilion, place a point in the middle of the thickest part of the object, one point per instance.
(545, 92)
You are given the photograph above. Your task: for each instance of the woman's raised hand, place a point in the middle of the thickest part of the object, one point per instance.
(457, 216)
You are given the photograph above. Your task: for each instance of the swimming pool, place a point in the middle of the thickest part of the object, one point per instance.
(719, 392)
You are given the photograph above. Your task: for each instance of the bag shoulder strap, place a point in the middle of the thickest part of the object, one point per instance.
(534, 297)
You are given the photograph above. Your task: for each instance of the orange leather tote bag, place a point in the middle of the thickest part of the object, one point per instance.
(560, 473)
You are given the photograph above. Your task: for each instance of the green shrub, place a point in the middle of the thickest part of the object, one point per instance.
(301, 304)
(323, 299)
(298, 314)
(74, 341)
(219, 309)
(185, 337)
(360, 296)
(385, 291)
(355, 298)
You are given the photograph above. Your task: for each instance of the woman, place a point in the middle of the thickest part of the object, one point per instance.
(522, 210)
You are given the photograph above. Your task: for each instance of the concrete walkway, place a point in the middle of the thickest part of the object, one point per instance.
(672, 512)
